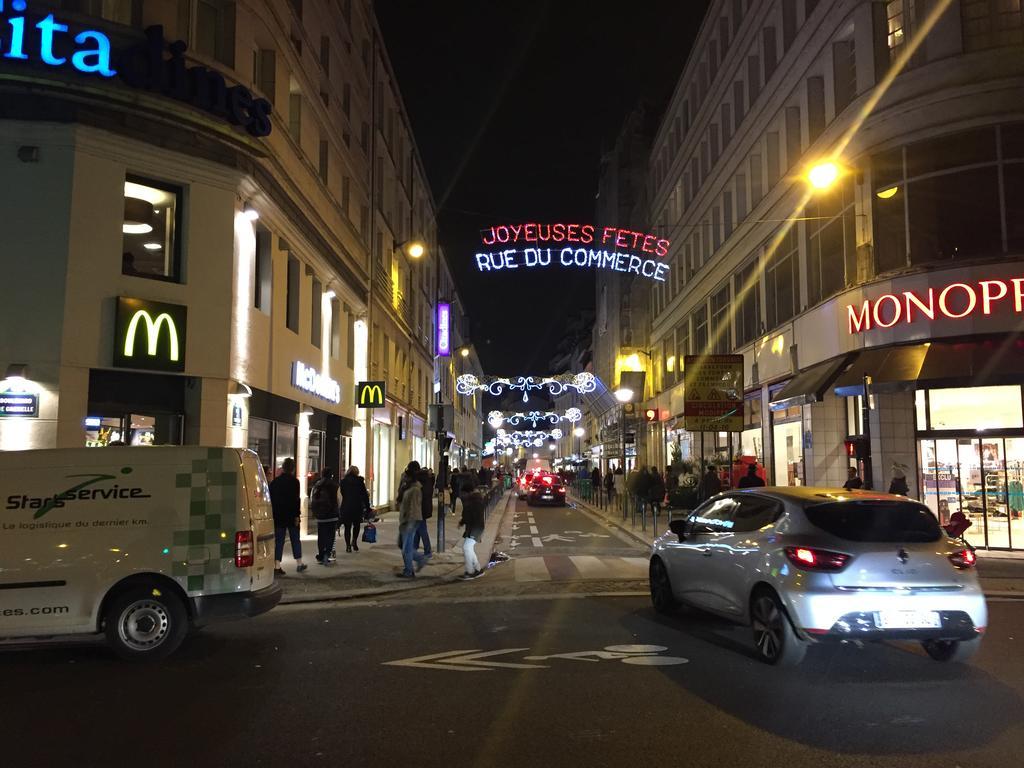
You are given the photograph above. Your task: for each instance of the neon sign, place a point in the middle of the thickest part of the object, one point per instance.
(497, 418)
(614, 249)
(955, 302)
(36, 38)
(584, 383)
(443, 345)
(163, 327)
(310, 380)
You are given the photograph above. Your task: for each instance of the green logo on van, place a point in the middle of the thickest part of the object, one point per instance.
(80, 491)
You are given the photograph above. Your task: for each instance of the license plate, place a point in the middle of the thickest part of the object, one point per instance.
(908, 619)
(547, 496)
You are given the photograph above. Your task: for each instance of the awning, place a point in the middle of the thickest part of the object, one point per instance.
(948, 364)
(809, 386)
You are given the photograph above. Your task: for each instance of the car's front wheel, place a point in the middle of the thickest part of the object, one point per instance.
(662, 598)
(145, 622)
(776, 640)
(957, 651)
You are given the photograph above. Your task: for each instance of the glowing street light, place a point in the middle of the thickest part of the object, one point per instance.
(464, 351)
(552, 447)
(414, 249)
(623, 394)
(823, 175)
(536, 455)
(579, 431)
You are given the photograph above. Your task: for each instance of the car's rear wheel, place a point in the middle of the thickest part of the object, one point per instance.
(145, 622)
(957, 651)
(776, 640)
(661, 588)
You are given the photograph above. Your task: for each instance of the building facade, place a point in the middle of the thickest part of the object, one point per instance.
(201, 195)
(903, 263)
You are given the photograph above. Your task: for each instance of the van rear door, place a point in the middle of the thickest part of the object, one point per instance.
(261, 519)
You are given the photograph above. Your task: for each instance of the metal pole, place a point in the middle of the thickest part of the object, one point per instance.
(866, 415)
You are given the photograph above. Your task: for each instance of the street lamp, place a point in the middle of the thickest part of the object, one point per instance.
(414, 249)
(579, 431)
(623, 394)
(464, 351)
(823, 175)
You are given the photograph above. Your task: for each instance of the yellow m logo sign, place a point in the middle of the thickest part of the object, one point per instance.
(371, 394)
(152, 333)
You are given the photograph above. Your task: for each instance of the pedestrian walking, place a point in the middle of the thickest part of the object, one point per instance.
(751, 479)
(355, 506)
(426, 478)
(284, 503)
(711, 484)
(609, 485)
(473, 521)
(410, 513)
(655, 490)
(323, 505)
(898, 485)
(853, 480)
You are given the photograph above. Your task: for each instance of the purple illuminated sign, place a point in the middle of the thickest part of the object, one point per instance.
(444, 324)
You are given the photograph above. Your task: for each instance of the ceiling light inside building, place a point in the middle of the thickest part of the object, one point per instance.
(152, 246)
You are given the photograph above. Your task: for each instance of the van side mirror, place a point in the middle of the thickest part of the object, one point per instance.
(679, 528)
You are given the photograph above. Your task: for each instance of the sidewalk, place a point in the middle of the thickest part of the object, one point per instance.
(374, 569)
(1001, 573)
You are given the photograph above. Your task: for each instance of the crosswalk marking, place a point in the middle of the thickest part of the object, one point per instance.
(535, 540)
(572, 567)
(533, 529)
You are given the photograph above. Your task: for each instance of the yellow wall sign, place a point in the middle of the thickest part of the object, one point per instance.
(713, 393)
(149, 335)
(370, 394)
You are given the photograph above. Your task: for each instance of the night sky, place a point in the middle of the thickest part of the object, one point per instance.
(512, 105)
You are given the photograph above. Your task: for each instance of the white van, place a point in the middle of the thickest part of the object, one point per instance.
(141, 543)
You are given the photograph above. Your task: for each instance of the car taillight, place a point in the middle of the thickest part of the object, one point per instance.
(808, 559)
(245, 550)
(963, 559)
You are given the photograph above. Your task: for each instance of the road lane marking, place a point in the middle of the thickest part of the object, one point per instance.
(537, 542)
(463, 661)
(531, 569)
(591, 567)
(480, 661)
(533, 529)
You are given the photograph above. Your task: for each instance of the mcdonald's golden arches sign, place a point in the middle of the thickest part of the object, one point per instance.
(370, 394)
(149, 335)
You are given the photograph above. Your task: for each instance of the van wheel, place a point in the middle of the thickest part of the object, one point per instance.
(145, 623)
(776, 640)
(956, 651)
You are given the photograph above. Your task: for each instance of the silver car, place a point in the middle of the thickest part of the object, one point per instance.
(807, 565)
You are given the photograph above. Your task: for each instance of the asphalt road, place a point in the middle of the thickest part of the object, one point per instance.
(315, 685)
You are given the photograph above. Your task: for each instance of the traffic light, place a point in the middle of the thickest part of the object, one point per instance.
(651, 414)
(857, 447)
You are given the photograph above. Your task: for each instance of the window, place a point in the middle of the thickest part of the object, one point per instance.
(214, 35)
(700, 331)
(975, 408)
(793, 143)
(770, 52)
(895, 26)
(781, 280)
(741, 198)
(714, 516)
(350, 339)
(316, 326)
(716, 229)
(292, 301)
(788, 23)
(127, 12)
(346, 99)
(844, 73)
(264, 74)
(721, 322)
(150, 239)
(991, 23)
(325, 54)
(752, 513)
(774, 168)
(682, 343)
(295, 116)
(726, 125)
(264, 269)
(726, 214)
(748, 304)
(346, 194)
(876, 521)
(756, 181)
(739, 105)
(753, 77)
(815, 108)
(296, 6)
(831, 251)
(324, 160)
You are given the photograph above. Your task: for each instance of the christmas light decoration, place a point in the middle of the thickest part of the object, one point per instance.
(583, 383)
(497, 418)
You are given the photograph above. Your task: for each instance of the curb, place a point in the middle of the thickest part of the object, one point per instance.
(488, 541)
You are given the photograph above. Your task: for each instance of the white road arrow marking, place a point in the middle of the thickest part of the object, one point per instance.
(556, 537)
(464, 661)
(593, 535)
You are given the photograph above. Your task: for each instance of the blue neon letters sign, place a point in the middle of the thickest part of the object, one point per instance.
(444, 329)
(44, 39)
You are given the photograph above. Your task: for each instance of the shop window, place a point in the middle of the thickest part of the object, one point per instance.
(292, 300)
(150, 244)
(214, 34)
(991, 23)
(781, 280)
(264, 271)
(831, 248)
(975, 408)
(788, 452)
